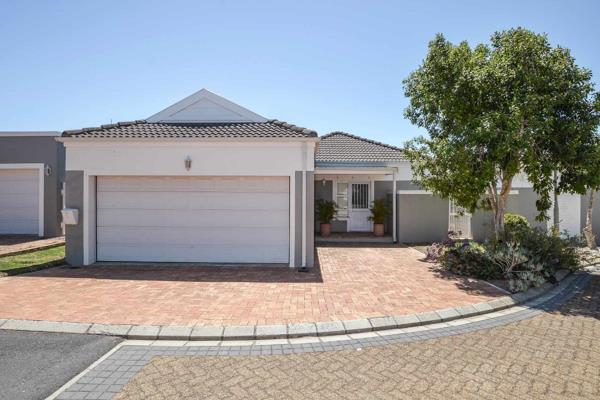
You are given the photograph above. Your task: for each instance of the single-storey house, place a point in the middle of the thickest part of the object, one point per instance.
(31, 173)
(208, 181)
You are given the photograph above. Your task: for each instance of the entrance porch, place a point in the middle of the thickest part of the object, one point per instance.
(354, 190)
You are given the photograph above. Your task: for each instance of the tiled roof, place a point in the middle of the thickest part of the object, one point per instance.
(144, 130)
(341, 147)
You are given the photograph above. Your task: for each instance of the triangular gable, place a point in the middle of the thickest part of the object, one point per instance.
(205, 107)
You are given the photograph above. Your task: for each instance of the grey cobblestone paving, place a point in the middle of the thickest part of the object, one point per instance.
(546, 351)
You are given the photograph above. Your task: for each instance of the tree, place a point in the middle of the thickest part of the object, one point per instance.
(581, 165)
(491, 112)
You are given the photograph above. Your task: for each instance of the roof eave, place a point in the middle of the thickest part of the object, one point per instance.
(68, 139)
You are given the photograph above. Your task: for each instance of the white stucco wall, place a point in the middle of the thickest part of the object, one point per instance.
(226, 158)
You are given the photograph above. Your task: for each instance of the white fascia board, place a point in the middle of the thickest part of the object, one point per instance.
(91, 141)
(29, 133)
(413, 191)
(163, 116)
(353, 171)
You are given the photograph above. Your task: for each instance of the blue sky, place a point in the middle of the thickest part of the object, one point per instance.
(326, 65)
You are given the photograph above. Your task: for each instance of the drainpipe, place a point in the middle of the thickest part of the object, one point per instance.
(304, 153)
(394, 194)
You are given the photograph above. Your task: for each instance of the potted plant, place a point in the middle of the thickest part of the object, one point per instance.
(378, 213)
(326, 210)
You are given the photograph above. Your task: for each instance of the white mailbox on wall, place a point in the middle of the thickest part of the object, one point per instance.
(70, 216)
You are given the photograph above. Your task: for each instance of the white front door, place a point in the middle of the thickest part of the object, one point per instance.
(359, 208)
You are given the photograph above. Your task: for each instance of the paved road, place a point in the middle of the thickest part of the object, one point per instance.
(33, 364)
(551, 356)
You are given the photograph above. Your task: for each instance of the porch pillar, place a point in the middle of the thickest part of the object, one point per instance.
(394, 234)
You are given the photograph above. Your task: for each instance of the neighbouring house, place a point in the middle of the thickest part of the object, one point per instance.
(31, 173)
(208, 181)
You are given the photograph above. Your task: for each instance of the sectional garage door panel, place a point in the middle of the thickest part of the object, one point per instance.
(19, 201)
(195, 219)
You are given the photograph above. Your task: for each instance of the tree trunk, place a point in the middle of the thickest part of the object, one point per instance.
(498, 202)
(587, 231)
(556, 216)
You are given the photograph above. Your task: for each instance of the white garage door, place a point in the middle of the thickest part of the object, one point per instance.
(193, 219)
(19, 201)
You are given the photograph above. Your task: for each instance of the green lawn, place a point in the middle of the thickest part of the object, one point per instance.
(33, 258)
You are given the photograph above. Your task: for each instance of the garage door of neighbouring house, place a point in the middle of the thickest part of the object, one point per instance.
(19, 201)
(193, 219)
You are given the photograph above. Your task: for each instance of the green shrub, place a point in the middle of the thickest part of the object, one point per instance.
(326, 210)
(379, 211)
(515, 221)
(521, 268)
(469, 258)
(523, 255)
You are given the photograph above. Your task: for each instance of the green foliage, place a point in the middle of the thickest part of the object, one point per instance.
(515, 221)
(515, 105)
(523, 255)
(469, 258)
(326, 210)
(379, 211)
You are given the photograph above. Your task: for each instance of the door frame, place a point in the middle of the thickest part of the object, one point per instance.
(351, 208)
(41, 175)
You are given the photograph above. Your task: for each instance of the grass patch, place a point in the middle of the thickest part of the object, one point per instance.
(39, 257)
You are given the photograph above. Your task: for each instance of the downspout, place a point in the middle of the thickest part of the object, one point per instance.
(304, 152)
(394, 218)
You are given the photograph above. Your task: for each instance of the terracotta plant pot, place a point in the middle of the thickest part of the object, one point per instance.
(325, 229)
(378, 229)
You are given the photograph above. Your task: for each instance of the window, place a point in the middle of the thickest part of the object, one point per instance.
(460, 221)
(360, 196)
(342, 201)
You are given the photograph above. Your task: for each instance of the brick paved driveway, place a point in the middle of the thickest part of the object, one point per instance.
(351, 282)
(551, 356)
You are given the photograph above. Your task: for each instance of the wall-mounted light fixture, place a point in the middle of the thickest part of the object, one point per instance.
(188, 163)
(47, 170)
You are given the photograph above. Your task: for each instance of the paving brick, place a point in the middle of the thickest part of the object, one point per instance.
(239, 332)
(467, 310)
(357, 325)
(330, 328)
(405, 321)
(448, 314)
(301, 329)
(482, 307)
(271, 331)
(108, 329)
(428, 317)
(501, 303)
(206, 333)
(521, 359)
(46, 326)
(175, 332)
(143, 332)
(379, 323)
(212, 295)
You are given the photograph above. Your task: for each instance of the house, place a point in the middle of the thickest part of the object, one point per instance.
(208, 181)
(353, 171)
(204, 180)
(31, 172)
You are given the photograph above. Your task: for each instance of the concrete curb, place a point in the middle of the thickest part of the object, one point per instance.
(32, 249)
(292, 330)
